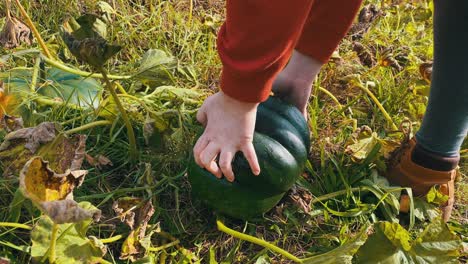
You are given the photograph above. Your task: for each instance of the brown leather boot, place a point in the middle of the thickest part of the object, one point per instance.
(404, 172)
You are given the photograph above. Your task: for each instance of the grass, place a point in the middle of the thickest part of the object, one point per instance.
(187, 30)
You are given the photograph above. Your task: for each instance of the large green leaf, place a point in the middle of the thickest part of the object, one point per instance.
(72, 244)
(340, 255)
(156, 68)
(57, 84)
(91, 26)
(391, 243)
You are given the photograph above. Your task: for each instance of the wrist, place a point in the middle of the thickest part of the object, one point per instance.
(231, 101)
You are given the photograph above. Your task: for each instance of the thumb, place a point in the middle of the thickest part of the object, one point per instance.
(201, 116)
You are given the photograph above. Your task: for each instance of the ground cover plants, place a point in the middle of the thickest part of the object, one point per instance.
(97, 121)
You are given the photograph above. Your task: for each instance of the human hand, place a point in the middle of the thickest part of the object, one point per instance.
(229, 127)
(294, 83)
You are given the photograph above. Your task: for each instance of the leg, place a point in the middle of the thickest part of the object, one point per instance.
(327, 23)
(445, 122)
(431, 159)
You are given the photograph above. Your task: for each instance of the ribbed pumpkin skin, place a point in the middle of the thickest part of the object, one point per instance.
(281, 141)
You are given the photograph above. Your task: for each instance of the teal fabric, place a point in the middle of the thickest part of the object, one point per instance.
(445, 122)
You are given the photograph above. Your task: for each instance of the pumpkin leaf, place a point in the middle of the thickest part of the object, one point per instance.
(72, 244)
(263, 259)
(424, 210)
(136, 213)
(53, 193)
(87, 40)
(156, 68)
(105, 11)
(57, 85)
(342, 254)
(93, 51)
(91, 26)
(151, 131)
(363, 141)
(391, 243)
(62, 152)
(41, 184)
(436, 197)
(171, 92)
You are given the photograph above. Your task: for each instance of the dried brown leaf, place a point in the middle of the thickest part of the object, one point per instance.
(98, 161)
(366, 17)
(45, 140)
(68, 211)
(365, 54)
(11, 123)
(136, 213)
(14, 33)
(33, 137)
(426, 71)
(103, 161)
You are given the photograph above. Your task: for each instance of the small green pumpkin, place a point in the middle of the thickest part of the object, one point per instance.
(281, 141)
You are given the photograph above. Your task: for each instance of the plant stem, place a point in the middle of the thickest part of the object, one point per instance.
(45, 101)
(35, 74)
(168, 245)
(53, 243)
(121, 89)
(325, 91)
(34, 29)
(63, 67)
(190, 13)
(15, 225)
(111, 239)
(379, 105)
(8, 7)
(260, 242)
(128, 124)
(88, 126)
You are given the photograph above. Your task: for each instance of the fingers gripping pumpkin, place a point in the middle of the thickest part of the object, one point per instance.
(281, 141)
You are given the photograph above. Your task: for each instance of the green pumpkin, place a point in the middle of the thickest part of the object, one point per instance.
(281, 141)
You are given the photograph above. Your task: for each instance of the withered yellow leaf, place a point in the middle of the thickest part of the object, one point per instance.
(41, 184)
(53, 192)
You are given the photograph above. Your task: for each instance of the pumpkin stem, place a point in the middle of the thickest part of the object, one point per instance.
(377, 102)
(260, 242)
(15, 225)
(128, 124)
(88, 126)
(65, 68)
